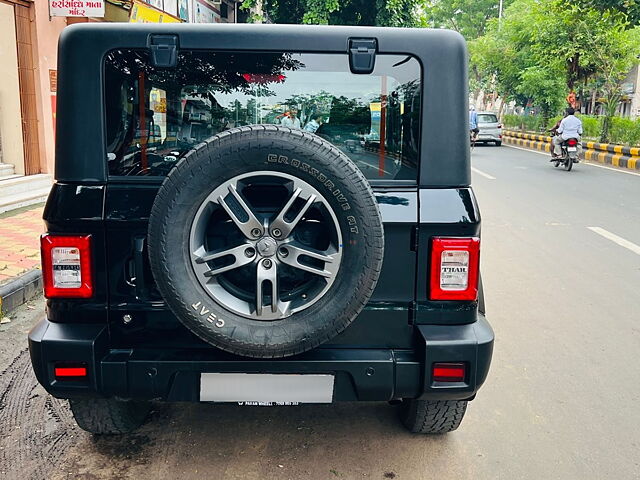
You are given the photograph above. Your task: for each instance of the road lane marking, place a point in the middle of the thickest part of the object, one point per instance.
(616, 239)
(546, 154)
(480, 172)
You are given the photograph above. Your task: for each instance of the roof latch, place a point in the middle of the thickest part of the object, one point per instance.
(164, 50)
(362, 55)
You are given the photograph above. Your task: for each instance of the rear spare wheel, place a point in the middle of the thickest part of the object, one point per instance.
(265, 241)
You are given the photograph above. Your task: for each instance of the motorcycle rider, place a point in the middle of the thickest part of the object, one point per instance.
(570, 127)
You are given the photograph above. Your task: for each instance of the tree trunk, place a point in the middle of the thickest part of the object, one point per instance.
(546, 113)
(604, 133)
(612, 96)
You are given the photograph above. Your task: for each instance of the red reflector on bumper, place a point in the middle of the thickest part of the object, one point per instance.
(448, 372)
(70, 372)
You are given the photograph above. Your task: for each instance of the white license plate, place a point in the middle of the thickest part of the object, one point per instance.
(266, 389)
(572, 149)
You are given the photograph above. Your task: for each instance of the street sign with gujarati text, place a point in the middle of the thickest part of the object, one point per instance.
(76, 8)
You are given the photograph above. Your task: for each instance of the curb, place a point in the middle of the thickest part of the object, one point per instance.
(20, 290)
(605, 153)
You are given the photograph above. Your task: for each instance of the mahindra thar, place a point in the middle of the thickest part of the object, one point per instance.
(261, 215)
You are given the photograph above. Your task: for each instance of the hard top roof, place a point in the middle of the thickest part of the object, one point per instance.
(80, 149)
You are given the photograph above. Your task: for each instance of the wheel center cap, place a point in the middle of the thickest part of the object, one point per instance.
(267, 247)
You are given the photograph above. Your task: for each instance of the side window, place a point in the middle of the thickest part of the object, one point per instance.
(155, 116)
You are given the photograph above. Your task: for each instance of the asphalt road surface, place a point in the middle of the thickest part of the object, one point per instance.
(561, 268)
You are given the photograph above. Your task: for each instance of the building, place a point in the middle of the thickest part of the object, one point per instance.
(629, 105)
(29, 31)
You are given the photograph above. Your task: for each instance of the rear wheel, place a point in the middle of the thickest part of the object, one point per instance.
(108, 415)
(432, 416)
(568, 164)
(498, 144)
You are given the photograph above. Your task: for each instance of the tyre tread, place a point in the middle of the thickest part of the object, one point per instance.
(108, 415)
(432, 416)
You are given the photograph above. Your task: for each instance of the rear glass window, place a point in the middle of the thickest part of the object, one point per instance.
(487, 118)
(154, 116)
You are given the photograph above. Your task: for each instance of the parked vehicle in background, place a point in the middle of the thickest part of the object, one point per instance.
(490, 128)
(242, 261)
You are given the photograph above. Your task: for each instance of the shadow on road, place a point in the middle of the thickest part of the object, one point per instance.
(184, 441)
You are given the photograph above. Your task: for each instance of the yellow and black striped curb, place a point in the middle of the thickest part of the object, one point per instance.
(607, 153)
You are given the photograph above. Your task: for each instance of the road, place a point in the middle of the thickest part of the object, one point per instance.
(561, 268)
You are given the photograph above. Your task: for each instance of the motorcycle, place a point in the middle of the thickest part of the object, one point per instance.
(569, 154)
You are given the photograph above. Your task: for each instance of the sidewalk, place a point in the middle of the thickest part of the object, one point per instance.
(19, 241)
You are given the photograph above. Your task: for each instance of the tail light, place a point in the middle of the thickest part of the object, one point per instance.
(70, 371)
(454, 268)
(572, 142)
(66, 266)
(448, 372)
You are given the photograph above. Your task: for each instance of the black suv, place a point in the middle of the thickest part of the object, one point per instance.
(261, 214)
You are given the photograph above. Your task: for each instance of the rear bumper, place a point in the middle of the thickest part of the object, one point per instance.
(360, 374)
(489, 137)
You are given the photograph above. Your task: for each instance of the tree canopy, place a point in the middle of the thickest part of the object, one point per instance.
(543, 49)
(537, 52)
(390, 13)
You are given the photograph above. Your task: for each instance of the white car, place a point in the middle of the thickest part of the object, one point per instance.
(490, 128)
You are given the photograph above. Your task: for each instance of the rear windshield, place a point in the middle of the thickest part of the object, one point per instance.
(154, 116)
(487, 118)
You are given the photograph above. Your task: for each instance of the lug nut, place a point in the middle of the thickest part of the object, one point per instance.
(276, 232)
(256, 232)
(266, 263)
(250, 252)
(284, 252)
(127, 319)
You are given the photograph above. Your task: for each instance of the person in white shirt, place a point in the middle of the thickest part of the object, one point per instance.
(291, 120)
(314, 124)
(570, 127)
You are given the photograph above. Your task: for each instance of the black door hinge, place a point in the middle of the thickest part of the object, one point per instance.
(164, 50)
(362, 54)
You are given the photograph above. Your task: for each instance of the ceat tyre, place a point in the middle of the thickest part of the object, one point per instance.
(265, 241)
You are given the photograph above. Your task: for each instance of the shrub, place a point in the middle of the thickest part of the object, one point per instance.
(591, 126)
(625, 131)
(530, 123)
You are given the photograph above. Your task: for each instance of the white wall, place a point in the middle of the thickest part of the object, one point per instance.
(10, 114)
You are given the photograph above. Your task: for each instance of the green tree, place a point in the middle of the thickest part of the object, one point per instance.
(467, 17)
(391, 13)
(545, 87)
(502, 55)
(470, 18)
(613, 56)
(629, 8)
(541, 41)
